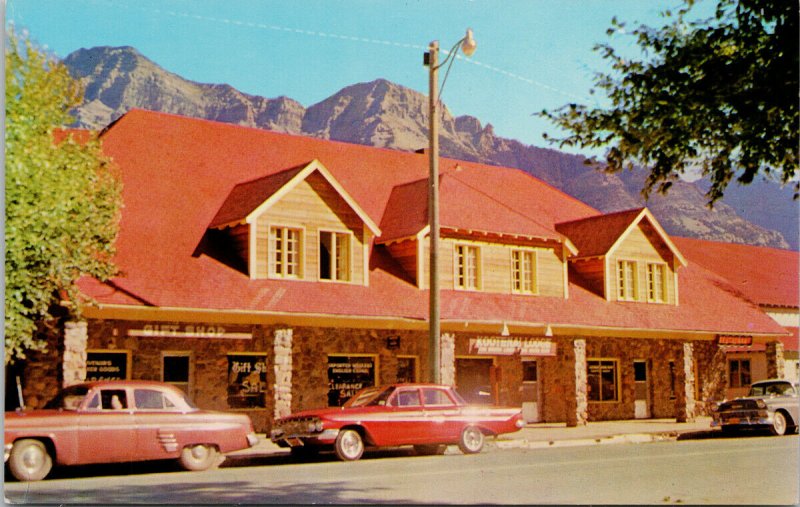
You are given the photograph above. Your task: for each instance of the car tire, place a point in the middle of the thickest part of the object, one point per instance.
(198, 457)
(29, 460)
(471, 441)
(430, 450)
(349, 445)
(779, 424)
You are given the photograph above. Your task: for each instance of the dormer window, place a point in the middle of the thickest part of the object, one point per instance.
(334, 256)
(467, 272)
(523, 271)
(656, 282)
(285, 252)
(627, 281)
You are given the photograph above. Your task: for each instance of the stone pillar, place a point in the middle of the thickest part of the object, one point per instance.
(578, 407)
(447, 359)
(282, 349)
(775, 364)
(685, 407)
(74, 361)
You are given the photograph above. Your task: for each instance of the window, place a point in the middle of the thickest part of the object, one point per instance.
(285, 252)
(334, 256)
(149, 399)
(176, 370)
(627, 280)
(436, 398)
(656, 283)
(408, 399)
(247, 380)
(348, 374)
(602, 379)
(466, 275)
(523, 271)
(406, 369)
(112, 399)
(529, 371)
(739, 373)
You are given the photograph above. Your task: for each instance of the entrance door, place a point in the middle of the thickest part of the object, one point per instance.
(474, 380)
(530, 391)
(641, 403)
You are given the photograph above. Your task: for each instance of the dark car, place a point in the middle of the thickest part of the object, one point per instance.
(427, 416)
(770, 404)
(120, 421)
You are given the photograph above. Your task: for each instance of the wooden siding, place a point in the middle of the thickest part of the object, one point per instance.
(313, 206)
(593, 273)
(494, 266)
(240, 235)
(405, 253)
(643, 246)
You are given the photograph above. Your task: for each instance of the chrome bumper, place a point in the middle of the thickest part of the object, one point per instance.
(743, 420)
(7, 452)
(284, 439)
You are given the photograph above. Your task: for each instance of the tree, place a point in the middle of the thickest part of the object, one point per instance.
(718, 94)
(62, 199)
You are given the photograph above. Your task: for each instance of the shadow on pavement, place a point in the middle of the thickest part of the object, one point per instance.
(708, 434)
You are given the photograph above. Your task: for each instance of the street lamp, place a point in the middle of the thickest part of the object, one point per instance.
(431, 60)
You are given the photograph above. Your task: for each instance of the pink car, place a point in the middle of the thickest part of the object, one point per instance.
(427, 416)
(120, 421)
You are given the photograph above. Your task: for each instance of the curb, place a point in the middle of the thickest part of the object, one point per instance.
(632, 438)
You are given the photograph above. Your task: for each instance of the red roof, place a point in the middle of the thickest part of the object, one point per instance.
(767, 276)
(178, 173)
(594, 236)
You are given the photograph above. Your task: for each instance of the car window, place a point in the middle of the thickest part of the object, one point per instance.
(436, 397)
(69, 398)
(113, 399)
(408, 398)
(151, 399)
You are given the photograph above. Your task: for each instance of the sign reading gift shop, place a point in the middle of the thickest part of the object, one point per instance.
(347, 375)
(161, 330)
(107, 364)
(487, 345)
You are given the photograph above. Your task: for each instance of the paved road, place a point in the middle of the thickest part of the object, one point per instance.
(748, 470)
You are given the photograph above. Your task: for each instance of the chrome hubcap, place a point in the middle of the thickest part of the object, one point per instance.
(351, 444)
(32, 459)
(199, 452)
(472, 439)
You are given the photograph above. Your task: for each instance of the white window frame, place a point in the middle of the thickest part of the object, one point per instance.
(459, 264)
(272, 263)
(334, 255)
(623, 282)
(656, 289)
(518, 271)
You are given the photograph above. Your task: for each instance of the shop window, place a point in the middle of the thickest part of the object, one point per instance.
(602, 380)
(247, 380)
(529, 371)
(467, 272)
(738, 373)
(627, 282)
(334, 256)
(406, 369)
(656, 283)
(176, 369)
(348, 374)
(285, 252)
(108, 365)
(523, 271)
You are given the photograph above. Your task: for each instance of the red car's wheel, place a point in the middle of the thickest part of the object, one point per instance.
(198, 457)
(349, 445)
(29, 460)
(471, 441)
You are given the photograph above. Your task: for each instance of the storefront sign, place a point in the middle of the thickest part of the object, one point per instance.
(107, 365)
(485, 345)
(347, 375)
(735, 340)
(186, 331)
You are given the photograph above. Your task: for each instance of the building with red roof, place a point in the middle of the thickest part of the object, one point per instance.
(267, 272)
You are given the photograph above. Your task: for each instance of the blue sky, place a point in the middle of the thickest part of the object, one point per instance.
(531, 54)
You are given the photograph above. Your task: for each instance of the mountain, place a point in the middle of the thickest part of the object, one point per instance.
(381, 113)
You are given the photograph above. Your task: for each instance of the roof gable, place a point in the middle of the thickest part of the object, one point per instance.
(250, 199)
(601, 235)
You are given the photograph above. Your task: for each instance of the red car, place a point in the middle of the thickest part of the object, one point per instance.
(120, 421)
(427, 416)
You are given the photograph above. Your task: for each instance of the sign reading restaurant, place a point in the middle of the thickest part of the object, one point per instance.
(159, 330)
(487, 345)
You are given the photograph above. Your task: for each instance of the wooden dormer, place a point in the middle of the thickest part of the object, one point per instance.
(626, 256)
(298, 224)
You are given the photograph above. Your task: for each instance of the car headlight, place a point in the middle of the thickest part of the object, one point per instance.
(761, 404)
(315, 426)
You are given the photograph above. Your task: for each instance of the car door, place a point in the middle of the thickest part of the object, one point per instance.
(106, 432)
(400, 421)
(158, 424)
(443, 419)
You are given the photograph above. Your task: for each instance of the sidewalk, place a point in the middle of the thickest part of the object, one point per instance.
(540, 435)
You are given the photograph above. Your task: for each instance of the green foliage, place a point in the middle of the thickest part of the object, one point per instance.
(62, 198)
(718, 94)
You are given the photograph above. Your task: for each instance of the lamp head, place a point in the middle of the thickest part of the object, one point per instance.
(469, 45)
